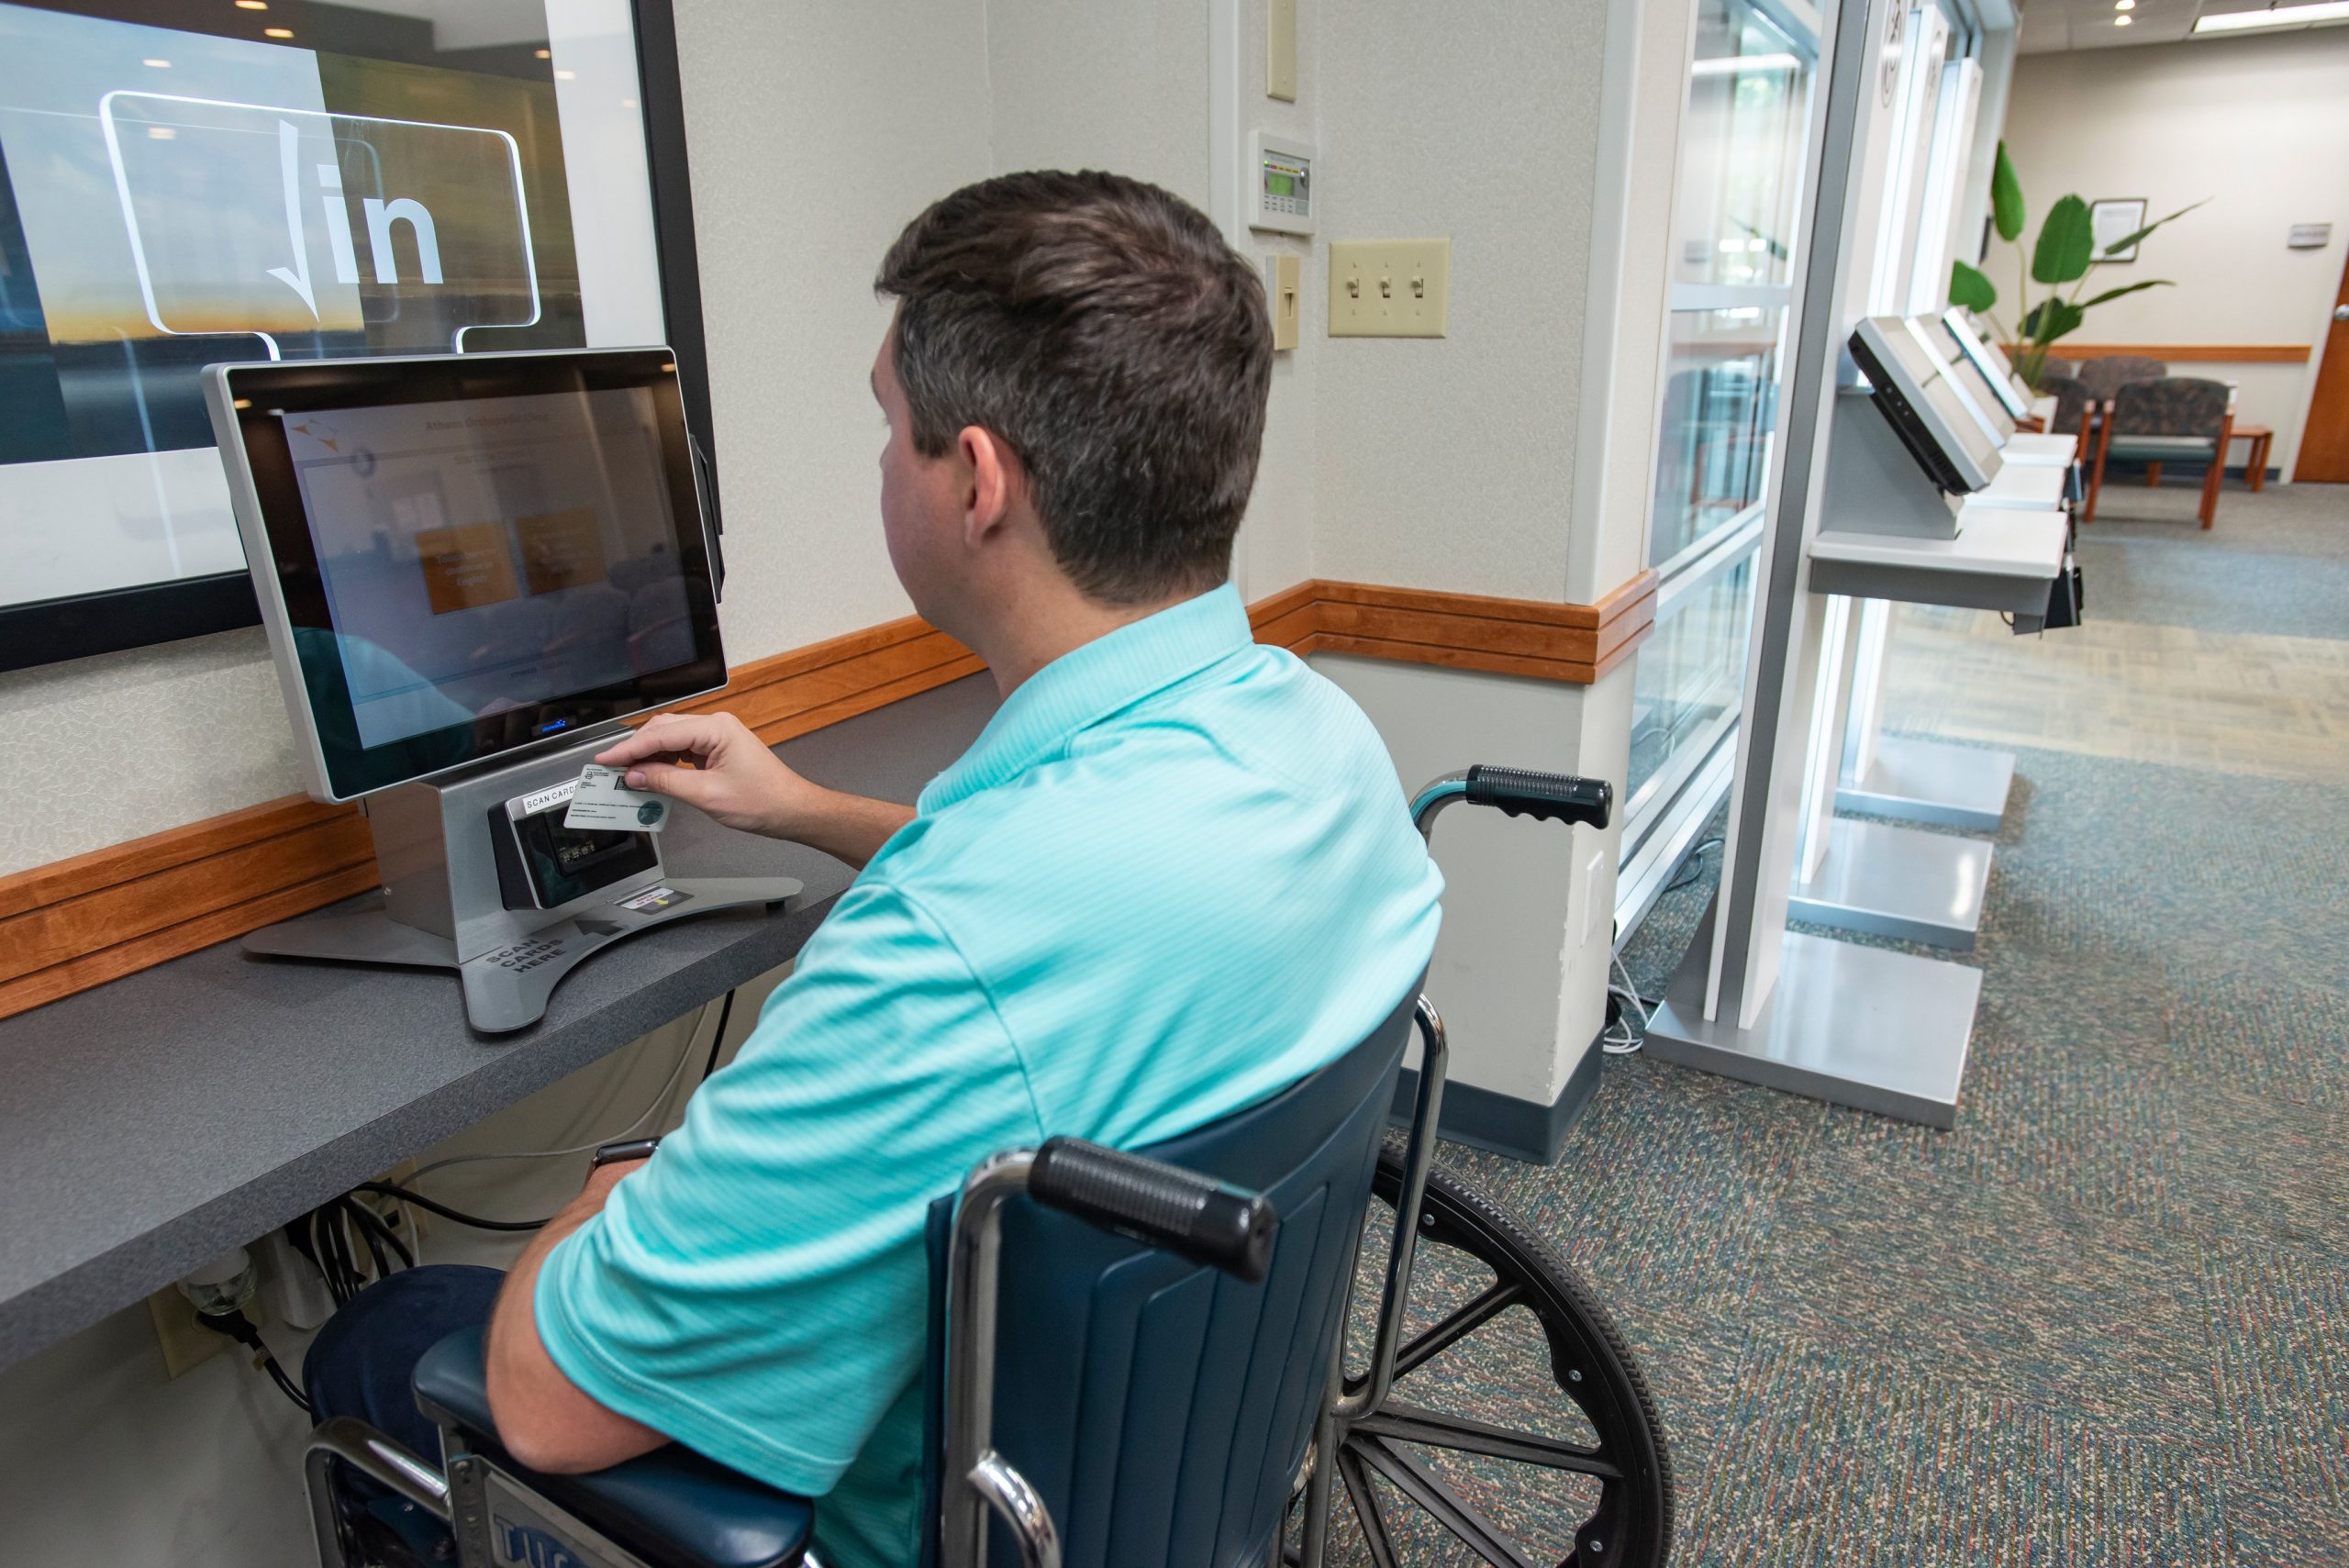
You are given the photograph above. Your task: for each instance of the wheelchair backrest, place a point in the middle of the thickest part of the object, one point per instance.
(1159, 1407)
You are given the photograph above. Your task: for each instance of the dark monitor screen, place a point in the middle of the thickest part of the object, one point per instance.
(463, 556)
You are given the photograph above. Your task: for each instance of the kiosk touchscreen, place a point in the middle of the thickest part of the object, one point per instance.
(1914, 393)
(470, 568)
(1988, 363)
(1993, 396)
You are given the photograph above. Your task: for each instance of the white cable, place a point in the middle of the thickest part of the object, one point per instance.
(693, 1042)
(1630, 1041)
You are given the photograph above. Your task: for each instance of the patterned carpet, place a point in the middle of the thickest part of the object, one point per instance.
(2106, 1320)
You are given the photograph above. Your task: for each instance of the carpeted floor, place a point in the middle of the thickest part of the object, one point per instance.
(2106, 1320)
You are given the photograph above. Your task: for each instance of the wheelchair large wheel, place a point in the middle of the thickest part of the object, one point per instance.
(1518, 1431)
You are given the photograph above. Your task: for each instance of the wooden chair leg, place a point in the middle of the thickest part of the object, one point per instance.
(2217, 471)
(2096, 479)
(2258, 462)
(2153, 476)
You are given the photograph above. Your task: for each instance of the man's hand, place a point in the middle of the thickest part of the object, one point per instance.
(713, 763)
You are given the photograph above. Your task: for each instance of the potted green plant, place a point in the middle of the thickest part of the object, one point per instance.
(2065, 252)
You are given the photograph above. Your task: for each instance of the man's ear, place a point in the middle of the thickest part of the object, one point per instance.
(995, 478)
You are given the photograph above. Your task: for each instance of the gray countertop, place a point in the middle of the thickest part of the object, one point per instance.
(155, 1121)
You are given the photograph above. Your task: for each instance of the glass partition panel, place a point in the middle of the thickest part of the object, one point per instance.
(1742, 149)
(1687, 691)
(1720, 405)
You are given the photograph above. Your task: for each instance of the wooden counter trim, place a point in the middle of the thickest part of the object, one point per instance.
(1571, 643)
(2188, 353)
(76, 923)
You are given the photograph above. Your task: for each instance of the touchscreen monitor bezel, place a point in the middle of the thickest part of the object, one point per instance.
(1883, 347)
(248, 405)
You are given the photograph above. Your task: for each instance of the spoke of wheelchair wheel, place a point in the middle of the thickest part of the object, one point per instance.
(1445, 1505)
(1366, 1509)
(1410, 1424)
(1493, 1300)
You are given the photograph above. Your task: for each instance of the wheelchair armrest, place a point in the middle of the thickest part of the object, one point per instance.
(673, 1506)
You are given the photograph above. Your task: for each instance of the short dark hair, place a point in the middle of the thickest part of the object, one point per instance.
(1103, 330)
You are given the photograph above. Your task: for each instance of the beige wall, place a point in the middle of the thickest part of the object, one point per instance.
(2257, 125)
(1449, 464)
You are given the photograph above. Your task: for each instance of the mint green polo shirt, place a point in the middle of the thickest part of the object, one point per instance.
(1176, 874)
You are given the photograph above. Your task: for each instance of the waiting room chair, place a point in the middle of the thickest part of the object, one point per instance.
(2106, 375)
(2171, 419)
(2073, 412)
(2052, 365)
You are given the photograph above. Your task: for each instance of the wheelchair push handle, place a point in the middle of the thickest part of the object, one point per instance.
(1558, 797)
(1162, 1205)
(1518, 792)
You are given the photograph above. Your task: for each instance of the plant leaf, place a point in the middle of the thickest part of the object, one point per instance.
(1970, 288)
(2050, 320)
(2132, 288)
(2006, 197)
(2066, 243)
(2126, 241)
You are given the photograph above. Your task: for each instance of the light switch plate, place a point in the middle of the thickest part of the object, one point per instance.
(1389, 288)
(1280, 50)
(1284, 294)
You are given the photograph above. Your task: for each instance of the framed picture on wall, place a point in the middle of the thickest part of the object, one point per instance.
(2115, 218)
(185, 184)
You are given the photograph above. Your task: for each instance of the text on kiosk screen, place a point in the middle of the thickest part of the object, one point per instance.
(485, 554)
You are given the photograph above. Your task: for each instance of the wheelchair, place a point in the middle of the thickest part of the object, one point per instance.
(1174, 1358)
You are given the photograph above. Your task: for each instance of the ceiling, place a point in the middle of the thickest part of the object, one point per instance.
(2049, 26)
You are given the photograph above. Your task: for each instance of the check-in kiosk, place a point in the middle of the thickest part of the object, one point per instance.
(1875, 492)
(1911, 415)
(471, 569)
(1874, 877)
(1928, 781)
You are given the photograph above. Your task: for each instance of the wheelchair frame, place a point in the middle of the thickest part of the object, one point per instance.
(978, 1481)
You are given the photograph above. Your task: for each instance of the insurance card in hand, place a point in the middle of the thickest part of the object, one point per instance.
(602, 802)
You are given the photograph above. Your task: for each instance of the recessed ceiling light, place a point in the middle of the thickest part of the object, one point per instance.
(2124, 4)
(2274, 16)
(566, 76)
(2122, 21)
(161, 133)
(157, 64)
(543, 53)
(277, 33)
(253, 4)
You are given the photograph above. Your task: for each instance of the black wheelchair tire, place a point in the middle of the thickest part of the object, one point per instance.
(1593, 1365)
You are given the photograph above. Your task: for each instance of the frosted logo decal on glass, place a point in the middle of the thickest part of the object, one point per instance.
(399, 179)
(179, 198)
(419, 231)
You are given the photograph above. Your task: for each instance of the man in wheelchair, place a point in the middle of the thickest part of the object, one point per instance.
(1175, 875)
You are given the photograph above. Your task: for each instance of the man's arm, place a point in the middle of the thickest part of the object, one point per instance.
(543, 1419)
(713, 763)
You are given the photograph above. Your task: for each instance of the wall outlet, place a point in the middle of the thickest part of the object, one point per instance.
(1389, 288)
(1284, 296)
(186, 1343)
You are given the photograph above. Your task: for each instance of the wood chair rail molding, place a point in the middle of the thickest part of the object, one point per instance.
(76, 923)
(2186, 353)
